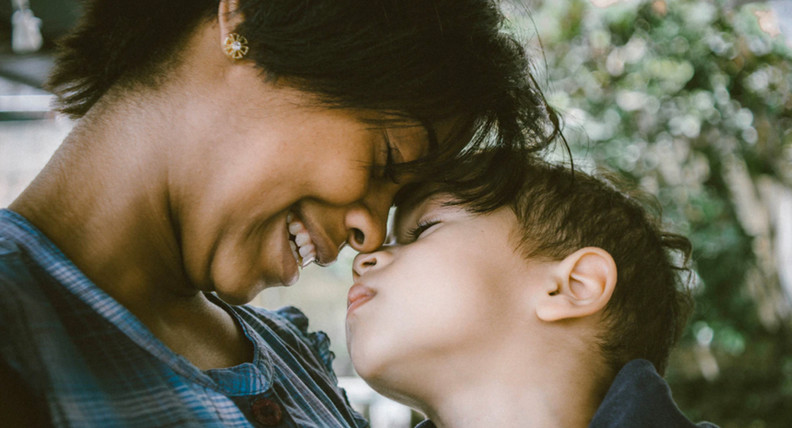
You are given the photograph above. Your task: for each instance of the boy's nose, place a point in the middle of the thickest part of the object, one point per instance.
(367, 261)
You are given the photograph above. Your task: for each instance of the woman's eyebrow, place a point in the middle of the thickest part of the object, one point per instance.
(431, 136)
(393, 147)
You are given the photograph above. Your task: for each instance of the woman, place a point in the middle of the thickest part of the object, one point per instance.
(218, 148)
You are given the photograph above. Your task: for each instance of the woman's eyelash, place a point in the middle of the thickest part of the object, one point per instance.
(387, 170)
(389, 163)
(420, 228)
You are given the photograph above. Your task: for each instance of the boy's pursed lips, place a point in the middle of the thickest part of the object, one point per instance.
(358, 295)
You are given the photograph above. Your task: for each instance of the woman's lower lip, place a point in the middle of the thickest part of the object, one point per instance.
(358, 303)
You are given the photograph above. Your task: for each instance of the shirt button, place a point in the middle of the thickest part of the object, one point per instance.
(266, 412)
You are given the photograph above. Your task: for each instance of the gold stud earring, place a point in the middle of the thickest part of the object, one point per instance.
(235, 46)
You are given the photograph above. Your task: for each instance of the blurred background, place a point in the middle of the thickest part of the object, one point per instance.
(691, 100)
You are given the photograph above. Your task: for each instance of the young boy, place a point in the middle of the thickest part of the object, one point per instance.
(555, 308)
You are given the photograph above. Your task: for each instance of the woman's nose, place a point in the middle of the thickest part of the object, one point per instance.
(366, 222)
(366, 231)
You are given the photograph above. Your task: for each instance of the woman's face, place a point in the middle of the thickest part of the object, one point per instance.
(276, 182)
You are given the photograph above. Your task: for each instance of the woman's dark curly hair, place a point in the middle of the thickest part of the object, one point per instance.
(420, 61)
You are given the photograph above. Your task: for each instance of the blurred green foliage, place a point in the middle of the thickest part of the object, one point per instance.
(692, 100)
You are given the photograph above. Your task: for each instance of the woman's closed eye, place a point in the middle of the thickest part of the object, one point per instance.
(386, 171)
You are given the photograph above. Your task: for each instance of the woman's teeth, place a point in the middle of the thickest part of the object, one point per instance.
(300, 242)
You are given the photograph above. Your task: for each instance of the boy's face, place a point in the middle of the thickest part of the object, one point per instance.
(447, 291)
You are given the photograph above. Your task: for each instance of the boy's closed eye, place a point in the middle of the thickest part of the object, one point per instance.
(415, 232)
(423, 218)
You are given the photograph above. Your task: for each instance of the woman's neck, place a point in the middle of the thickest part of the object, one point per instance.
(103, 200)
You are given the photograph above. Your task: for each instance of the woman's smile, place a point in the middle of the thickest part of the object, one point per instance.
(307, 244)
(303, 248)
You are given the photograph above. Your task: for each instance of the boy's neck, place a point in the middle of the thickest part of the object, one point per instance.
(495, 405)
(564, 390)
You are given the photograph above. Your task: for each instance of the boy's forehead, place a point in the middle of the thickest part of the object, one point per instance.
(412, 196)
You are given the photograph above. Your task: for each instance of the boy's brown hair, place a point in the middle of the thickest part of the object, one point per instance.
(561, 210)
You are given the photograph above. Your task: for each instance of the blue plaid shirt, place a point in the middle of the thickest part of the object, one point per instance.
(89, 362)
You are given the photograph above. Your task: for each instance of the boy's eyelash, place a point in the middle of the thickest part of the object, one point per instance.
(416, 231)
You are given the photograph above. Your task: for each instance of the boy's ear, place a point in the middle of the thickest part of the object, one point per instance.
(583, 285)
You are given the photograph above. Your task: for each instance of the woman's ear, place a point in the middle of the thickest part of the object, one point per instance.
(584, 283)
(228, 17)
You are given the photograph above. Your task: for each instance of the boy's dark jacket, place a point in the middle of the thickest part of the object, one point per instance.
(637, 398)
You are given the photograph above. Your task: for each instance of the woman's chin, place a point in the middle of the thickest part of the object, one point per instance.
(240, 295)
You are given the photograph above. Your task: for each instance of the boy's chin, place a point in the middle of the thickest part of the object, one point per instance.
(368, 368)
(361, 363)
(400, 392)
(389, 378)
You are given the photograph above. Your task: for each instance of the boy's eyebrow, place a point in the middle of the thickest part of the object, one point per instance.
(413, 194)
